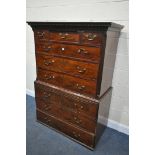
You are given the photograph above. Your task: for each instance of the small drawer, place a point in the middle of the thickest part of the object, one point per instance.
(81, 69)
(91, 38)
(49, 62)
(71, 131)
(82, 107)
(50, 77)
(41, 35)
(82, 52)
(46, 95)
(79, 85)
(64, 37)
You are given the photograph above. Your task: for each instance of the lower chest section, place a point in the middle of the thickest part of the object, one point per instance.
(74, 116)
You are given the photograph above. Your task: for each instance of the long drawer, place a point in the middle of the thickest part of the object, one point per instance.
(79, 105)
(72, 131)
(67, 115)
(72, 67)
(73, 51)
(87, 87)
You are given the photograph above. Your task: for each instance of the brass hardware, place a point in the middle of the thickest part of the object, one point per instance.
(81, 107)
(46, 94)
(47, 108)
(82, 50)
(80, 87)
(48, 78)
(90, 36)
(40, 33)
(62, 49)
(53, 61)
(47, 48)
(45, 118)
(75, 118)
(78, 122)
(48, 62)
(76, 135)
(48, 121)
(63, 35)
(75, 104)
(81, 70)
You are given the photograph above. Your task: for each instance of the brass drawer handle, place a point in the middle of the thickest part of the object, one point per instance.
(81, 70)
(49, 77)
(65, 36)
(48, 62)
(46, 95)
(90, 36)
(45, 118)
(82, 50)
(48, 121)
(40, 33)
(47, 108)
(75, 118)
(78, 121)
(76, 135)
(80, 87)
(81, 107)
(47, 48)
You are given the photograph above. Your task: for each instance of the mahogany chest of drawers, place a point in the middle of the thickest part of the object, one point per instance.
(75, 64)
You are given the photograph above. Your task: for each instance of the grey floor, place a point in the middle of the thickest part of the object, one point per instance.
(40, 140)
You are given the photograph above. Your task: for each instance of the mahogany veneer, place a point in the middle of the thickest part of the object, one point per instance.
(75, 63)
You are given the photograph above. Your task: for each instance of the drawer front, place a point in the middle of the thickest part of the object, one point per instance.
(67, 129)
(79, 120)
(64, 37)
(50, 77)
(49, 62)
(41, 36)
(80, 107)
(46, 96)
(91, 38)
(79, 85)
(81, 69)
(84, 52)
(67, 115)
